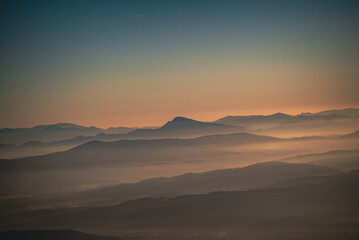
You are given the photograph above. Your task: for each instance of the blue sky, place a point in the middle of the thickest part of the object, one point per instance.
(116, 62)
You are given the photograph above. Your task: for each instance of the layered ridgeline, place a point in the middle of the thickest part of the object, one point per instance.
(99, 163)
(179, 127)
(305, 124)
(102, 163)
(53, 132)
(325, 208)
(235, 179)
(271, 200)
(62, 132)
(252, 177)
(44, 139)
(102, 153)
(179, 181)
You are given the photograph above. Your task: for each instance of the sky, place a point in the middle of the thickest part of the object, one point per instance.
(141, 63)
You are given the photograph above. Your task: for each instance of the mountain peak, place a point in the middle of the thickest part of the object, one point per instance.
(182, 122)
(182, 119)
(280, 114)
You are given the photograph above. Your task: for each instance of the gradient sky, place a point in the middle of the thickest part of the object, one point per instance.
(135, 63)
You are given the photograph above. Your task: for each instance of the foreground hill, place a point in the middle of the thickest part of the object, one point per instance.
(252, 177)
(314, 208)
(51, 235)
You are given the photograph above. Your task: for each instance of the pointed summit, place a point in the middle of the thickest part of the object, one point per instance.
(280, 114)
(182, 119)
(181, 122)
(185, 127)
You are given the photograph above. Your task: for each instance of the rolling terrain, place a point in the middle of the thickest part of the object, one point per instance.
(186, 180)
(305, 208)
(44, 139)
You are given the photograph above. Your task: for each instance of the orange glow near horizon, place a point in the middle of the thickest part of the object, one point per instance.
(160, 119)
(205, 93)
(202, 60)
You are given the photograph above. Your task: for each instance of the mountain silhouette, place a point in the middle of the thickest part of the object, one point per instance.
(327, 120)
(255, 176)
(185, 127)
(53, 132)
(305, 209)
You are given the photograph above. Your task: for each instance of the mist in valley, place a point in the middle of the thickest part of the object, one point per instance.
(225, 185)
(179, 120)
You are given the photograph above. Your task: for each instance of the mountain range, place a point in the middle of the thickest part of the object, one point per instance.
(53, 132)
(281, 118)
(306, 124)
(179, 127)
(242, 177)
(43, 139)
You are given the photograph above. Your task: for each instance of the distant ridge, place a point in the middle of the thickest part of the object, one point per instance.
(183, 119)
(253, 118)
(53, 132)
(182, 122)
(279, 124)
(43, 139)
(185, 127)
